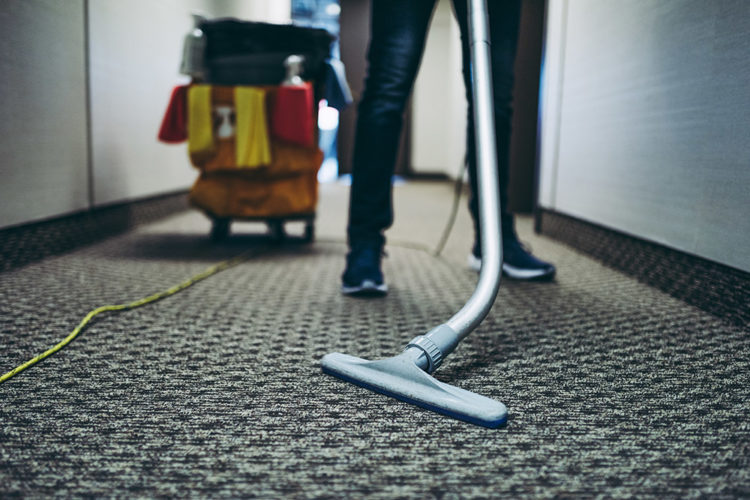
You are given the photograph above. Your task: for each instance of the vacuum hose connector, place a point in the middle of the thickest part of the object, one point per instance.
(430, 350)
(436, 345)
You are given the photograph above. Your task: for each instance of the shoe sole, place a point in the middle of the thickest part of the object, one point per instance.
(367, 288)
(516, 273)
(527, 274)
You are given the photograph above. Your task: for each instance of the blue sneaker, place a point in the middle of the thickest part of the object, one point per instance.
(518, 263)
(363, 276)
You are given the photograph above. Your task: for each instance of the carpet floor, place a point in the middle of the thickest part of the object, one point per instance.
(614, 389)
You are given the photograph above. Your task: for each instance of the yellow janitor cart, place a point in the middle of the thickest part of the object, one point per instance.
(250, 120)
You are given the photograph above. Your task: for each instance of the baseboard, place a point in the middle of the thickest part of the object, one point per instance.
(24, 244)
(715, 288)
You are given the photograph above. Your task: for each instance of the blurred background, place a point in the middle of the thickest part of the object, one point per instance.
(632, 116)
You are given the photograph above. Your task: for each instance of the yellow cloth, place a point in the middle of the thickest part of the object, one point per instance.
(200, 123)
(252, 143)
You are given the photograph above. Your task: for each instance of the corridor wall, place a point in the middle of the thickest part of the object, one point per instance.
(438, 131)
(645, 122)
(43, 145)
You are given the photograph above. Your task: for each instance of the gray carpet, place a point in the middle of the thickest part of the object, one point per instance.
(614, 389)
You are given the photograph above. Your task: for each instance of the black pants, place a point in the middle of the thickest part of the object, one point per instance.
(399, 30)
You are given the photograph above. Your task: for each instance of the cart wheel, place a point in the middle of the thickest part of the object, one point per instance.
(276, 229)
(220, 229)
(309, 231)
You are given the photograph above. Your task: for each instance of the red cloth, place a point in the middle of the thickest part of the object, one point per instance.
(293, 118)
(174, 124)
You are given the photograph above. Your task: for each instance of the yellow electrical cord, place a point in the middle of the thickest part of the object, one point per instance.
(221, 266)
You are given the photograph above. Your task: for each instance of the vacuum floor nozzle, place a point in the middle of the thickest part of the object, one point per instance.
(400, 377)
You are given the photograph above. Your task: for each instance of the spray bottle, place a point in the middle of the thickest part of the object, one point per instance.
(193, 50)
(294, 65)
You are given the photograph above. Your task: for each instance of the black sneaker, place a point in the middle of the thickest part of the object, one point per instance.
(518, 263)
(363, 276)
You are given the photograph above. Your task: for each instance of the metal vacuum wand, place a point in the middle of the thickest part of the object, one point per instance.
(406, 376)
(447, 336)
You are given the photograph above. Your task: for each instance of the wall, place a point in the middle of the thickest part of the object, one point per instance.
(135, 54)
(43, 105)
(133, 59)
(646, 120)
(438, 132)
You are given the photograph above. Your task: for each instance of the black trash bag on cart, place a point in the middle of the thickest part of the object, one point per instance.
(250, 53)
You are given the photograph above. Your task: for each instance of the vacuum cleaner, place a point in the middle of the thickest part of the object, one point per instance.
(407, 376)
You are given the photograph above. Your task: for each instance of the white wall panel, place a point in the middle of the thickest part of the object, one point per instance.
(42, 104)
(269, 11)
(135, 52)
(438, 131)
(655, 123)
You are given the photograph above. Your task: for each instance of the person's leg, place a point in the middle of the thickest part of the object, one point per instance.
(397, 41)
(399, 30)
(504, 19)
